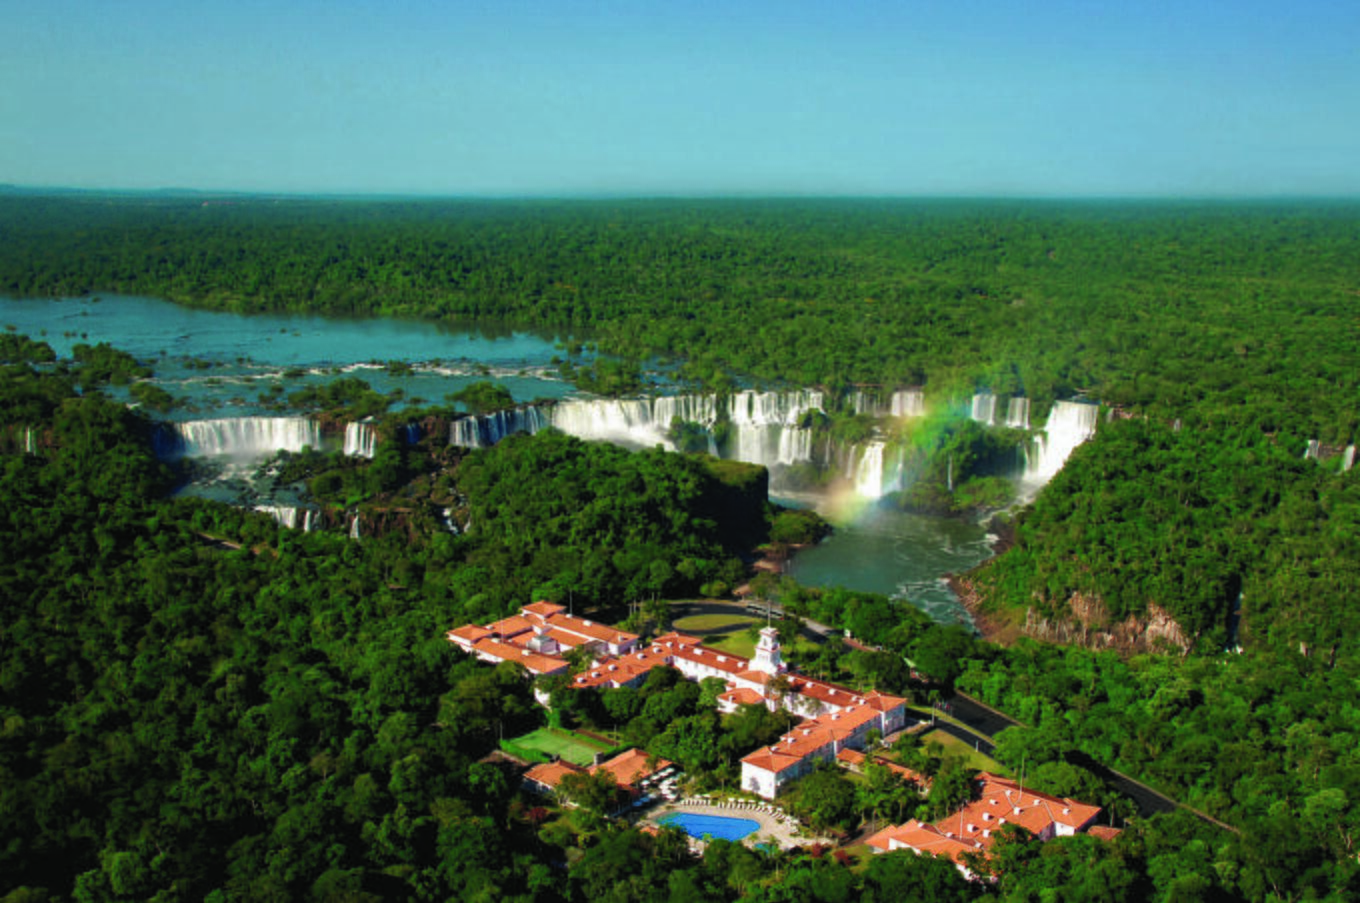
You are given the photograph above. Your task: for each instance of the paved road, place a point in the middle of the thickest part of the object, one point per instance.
(991, 722)
(986, 747)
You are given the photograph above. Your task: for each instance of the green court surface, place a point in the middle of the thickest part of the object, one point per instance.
(550, 741)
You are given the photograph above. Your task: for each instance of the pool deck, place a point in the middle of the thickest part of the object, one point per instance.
(775, 825)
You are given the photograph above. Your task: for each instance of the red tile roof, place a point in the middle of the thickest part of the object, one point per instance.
(743, 696)
(925, 838)
(808, 737)
(532, 661)
(544, 609)
(590, 630)
(630, 767)
(852, 757)
(1002, 801)
(615, 671)
(469, 633)
(552, 773)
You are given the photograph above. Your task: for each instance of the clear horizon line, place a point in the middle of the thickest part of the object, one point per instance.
(661, 194)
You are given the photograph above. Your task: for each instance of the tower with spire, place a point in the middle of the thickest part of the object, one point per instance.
(767, 657)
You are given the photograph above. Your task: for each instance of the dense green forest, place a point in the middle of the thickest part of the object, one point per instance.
(1188, 309)
(199, 704)
(195, 702)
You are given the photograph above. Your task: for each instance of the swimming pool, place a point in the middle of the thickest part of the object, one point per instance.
(701, 826)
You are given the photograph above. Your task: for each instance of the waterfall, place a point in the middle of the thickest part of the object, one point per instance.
(1313, 449)
(1070, 423)
(765, 426)
(361, 439)
(794, 445)
(30, 447)
(949, 473)
(283, 515)
(984, 408)
(354, 527)
(865, 470)
(868, 403)
(871, 469)
(751, 408)
(306, 519)
(1017, 413)
(1348, 458)
(488, 429)
(242, 436)
(908, 403)
(621, 421)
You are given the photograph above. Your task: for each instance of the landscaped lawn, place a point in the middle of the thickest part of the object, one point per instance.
(954, 746)
(737, 643)
(696, 623)
(556, 742)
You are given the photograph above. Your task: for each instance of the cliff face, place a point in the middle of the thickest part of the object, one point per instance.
(1089, 625)
(1084, 621)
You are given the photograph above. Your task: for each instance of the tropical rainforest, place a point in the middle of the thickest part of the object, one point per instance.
(195, 703)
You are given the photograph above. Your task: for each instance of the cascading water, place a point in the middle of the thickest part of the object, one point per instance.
(361, 439)
(868, 403)
(752, 408)
(621, 421)
(1070, 423)
(765, 426)
(908, 403)
(984, 408)
(488, 429)
(242, 437)
(764, 429)
(284, 515)
(1348, 458)
(1314, 447)
(306, 519)
(354, 528)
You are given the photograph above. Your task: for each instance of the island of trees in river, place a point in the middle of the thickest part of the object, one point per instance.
(184, 717)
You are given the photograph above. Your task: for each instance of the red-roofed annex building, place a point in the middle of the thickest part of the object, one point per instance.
(629, 769)
(999, 801)
(538, 636)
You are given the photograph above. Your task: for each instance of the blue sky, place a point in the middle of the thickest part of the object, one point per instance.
(566, 97)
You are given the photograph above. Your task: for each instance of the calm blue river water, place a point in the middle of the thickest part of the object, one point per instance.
(248, 354)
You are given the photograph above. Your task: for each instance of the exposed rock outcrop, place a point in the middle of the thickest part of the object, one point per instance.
(1084, 622)
(1089, 625)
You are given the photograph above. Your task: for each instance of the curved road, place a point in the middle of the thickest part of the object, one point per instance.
(989, 722)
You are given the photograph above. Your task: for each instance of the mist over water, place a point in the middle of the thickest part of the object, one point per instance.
(899, 554)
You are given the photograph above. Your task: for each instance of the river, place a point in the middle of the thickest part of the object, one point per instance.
(223, 365)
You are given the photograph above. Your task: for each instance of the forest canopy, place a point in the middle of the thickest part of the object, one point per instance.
(1187, 309)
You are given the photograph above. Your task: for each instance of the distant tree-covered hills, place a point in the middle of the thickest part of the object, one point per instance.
(1196, 310)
